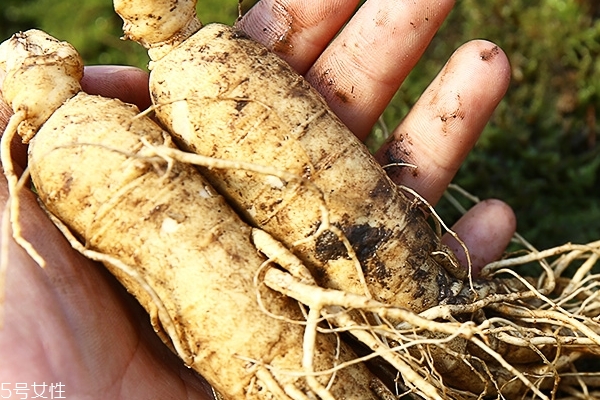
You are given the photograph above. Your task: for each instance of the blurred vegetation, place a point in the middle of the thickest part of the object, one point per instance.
(539, 152)
(93, 27)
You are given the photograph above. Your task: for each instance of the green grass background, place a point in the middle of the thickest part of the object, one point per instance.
(540, 151)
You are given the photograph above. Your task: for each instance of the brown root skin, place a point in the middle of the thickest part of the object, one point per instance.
(225, 96)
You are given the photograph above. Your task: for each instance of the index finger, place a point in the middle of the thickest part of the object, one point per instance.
(297, 31)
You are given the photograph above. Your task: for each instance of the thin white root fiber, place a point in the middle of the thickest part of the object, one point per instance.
(551, 321)
(15, 183)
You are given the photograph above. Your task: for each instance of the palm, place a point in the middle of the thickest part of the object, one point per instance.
(71, 323)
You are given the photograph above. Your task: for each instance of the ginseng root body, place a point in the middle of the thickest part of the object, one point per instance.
(223, 95)
(169, 237)
(325, 198)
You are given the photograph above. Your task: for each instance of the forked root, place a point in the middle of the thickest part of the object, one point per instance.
(552, 320)
(563, 331)
(521, 340)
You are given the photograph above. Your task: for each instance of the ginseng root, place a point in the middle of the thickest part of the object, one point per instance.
(168, 236)
(222, 95)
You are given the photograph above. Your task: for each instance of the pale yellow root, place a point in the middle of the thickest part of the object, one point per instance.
(215, 115)
(556, 311)
(159, 316)
(411, 378)
(169, 154)
(278, 253)
(14, 184)
(319, 299)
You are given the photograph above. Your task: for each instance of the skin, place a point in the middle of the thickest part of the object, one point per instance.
(73, 323)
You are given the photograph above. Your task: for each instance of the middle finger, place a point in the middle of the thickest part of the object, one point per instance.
(365, 65)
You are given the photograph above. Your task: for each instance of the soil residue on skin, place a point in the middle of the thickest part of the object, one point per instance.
(328, 83)
(283, 43)
(364, 238)
(489, 54)
(342, 96)
(395, 153)
(449, 117)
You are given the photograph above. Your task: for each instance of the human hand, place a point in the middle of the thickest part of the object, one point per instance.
(72, 323)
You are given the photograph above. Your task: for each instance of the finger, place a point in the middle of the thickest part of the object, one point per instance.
(445, 123)
(5, 111)
(297, 31)
(486, 229)
(363, 67)
(128, 84)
